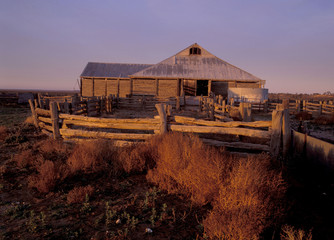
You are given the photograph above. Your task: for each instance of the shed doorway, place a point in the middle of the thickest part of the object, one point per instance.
(202, 87)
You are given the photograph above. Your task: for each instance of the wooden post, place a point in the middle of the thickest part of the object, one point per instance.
(304, 106)
(224, 106)
(242, 110)
(118, 86)
(177, 103)
(33, 113)
(55, 120)
(184, 101)
(66, 107)
(209, 87)
(156, 87)
(163, 118)
(265, 106)
(275, 142)
(232, 101)
(40, 101)
(320, 108)
(36, 103)
(182, 89)
(169, 110)
(298, 106)
(286, 132)
(285, 103)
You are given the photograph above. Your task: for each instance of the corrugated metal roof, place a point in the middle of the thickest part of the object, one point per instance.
(119, 70)
(204, 66)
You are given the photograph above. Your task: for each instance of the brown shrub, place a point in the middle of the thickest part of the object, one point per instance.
(78, 194)
(3, 133)
(139, 157)
(325, 120)
(248, 201)
(290, 233)
(184, 165)
(49, 175)
(93, 156)
(54, 150)
(25, 158)
(303, 116)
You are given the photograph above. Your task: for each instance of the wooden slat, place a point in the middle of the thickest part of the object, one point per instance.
(96, 134)
(109, 120)
(221, 130)
(240, 145)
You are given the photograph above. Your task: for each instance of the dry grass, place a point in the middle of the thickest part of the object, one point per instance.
(185, 165)
(78, 194)
(290, 233)
(25, 159)
(247, 202)
(49, 175)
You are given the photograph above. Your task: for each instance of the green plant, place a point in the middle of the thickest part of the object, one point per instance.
(86, 208)
(153, 217)
(31, 223)
(110, 214)
(163, 212)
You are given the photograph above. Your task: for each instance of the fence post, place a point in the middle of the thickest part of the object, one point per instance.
(232, 101)
(33, 112)
(66, 107)
(177, 103)
(55, 120)
(40, 101)
(320, 108)
(286, 132)
(224, 106)
(265, 106)
(275, 142)
(163, 118)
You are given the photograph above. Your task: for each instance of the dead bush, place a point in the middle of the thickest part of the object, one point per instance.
(25, 159)
(3, 133)
(301, 116)
(184, 165)
(54, 150)
(139, 157)
(248, 201)
(325, 120)
(49, 175)
(290, 233)
(78, 194)
(93, 156)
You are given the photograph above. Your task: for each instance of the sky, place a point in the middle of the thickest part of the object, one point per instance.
(45, 44)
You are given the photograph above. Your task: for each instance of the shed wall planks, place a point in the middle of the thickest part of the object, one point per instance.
(144, 87)
(87, 87)
(99, 87)
(168, 88)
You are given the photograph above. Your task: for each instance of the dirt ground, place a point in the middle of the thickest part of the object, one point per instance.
(129, 207)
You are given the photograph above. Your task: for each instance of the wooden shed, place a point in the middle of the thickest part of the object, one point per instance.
(193, 71)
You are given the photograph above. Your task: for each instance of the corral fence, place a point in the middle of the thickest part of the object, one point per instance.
(217, 107)
(258, 136)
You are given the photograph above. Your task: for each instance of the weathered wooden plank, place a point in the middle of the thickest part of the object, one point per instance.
(134, 126)
(44, 119)
(54, 120)
(109, 120)
(45, 126)
(43, 112)
(240, 145)
(277, 121)
(189, 120)
(163, 118)
(96, 134)
(221, 130)
(33, 113)
(286, 132)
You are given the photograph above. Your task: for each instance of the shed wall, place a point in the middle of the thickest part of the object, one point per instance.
(144, 87)
(87, 87)
(168, 88)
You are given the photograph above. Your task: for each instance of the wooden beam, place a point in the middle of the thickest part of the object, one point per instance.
(286, 131)
(96, 134)
(240, 145)
(33, 113)
(277, 121)
(55, 120)
(110, 120)
(163, 118)
(221, 130)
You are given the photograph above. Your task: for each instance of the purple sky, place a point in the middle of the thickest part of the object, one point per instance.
(45, 44)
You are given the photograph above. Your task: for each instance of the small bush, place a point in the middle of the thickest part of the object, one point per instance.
(93, 156)
(53, 150)
(184, 165)
(139, 157)
(324, 120)
(49, 175)
(290, 233)
(3, 133)
(25, 158)
(78, 194)
(248, 201)
(301, 116)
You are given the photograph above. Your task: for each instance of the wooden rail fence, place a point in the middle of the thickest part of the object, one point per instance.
(248, 136)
